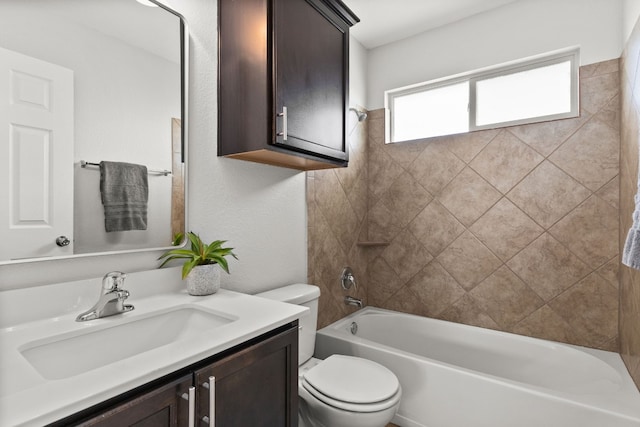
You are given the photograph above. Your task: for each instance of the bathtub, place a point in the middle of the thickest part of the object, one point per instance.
(455, 375)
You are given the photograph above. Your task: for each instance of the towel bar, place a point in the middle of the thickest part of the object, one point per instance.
(84, 164)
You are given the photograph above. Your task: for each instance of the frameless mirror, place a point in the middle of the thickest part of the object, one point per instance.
(86, 81)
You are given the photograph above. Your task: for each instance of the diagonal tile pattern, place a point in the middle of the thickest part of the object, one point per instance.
(514, 229)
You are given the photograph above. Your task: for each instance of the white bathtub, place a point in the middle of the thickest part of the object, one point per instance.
(455, 375)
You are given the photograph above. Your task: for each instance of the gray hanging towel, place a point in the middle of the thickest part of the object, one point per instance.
(631, 251)
(125, 191)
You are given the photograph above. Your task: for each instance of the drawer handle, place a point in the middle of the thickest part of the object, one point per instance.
(211, 386)
(191, 398)
(284, 132)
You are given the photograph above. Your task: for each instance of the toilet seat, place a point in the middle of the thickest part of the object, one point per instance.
(352, 384)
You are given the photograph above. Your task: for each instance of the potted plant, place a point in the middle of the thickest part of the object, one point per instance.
(202, 264)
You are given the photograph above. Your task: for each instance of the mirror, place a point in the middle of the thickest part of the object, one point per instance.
(86, 81)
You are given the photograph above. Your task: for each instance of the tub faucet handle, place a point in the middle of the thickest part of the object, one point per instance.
(347, 280)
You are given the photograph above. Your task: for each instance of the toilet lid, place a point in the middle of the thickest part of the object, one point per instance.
(352, 380)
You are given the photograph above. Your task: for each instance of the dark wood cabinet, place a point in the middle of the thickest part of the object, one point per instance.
(255, 387)
(255, 384)
(160, 407)
(283, 82)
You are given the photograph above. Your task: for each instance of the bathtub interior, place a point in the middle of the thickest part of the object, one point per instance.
(556, 371)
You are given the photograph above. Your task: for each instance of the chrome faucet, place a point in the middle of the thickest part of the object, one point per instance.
(349, 300)
(112, 298)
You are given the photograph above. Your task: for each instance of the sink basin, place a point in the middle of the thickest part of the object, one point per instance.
(73, 353)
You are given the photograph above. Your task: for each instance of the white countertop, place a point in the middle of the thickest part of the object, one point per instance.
(29, 399)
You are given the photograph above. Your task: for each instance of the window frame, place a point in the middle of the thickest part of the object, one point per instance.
(571, 54)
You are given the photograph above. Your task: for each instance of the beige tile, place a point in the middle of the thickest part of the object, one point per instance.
(375, 129)
(610, 114)
(505, 297)
(468, 196)
(382, 225)
(591, 308)
(332, 201)
(375, 114)
(590, 155)
(597, 91)
(467, 311)
(547, 136)
(505, 161)
(547, 194)
(404, 301)
(590, 231)
(383, 282)
(505, 229)
(436, 289)
(435, 167)
(435, 227)
(357, 197)
(468, 260)
(467, 145)
(610, 271)
(548, 267)
(404, 153)
(606, 67)
(610, 192)
(383, 171)
(546, 324)
(406, 198)
(406, 255)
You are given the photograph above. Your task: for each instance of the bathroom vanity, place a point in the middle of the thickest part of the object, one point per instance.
(156, 364)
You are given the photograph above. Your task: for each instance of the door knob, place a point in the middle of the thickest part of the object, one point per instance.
(63, 241)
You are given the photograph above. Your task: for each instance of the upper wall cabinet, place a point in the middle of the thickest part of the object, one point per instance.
(284, 82)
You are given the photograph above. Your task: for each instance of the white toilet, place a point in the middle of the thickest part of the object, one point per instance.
(340, 391)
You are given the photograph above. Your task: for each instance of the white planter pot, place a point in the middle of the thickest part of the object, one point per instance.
(204, 280)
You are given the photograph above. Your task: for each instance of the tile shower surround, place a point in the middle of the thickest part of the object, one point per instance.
(630, 131)
(514, 229)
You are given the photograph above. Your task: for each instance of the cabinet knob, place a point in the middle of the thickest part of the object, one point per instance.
(284, 132)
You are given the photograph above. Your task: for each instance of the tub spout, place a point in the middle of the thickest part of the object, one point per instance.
(349, 300)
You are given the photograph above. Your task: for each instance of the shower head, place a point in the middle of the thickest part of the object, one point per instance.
(362, 115)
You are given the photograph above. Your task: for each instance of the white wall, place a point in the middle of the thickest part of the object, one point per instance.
(357, 73)
(513, 31)
(630, 14)
(259, 209)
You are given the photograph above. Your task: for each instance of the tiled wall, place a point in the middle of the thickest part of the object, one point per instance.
(336, 211)
(513, 229)
(629, 278)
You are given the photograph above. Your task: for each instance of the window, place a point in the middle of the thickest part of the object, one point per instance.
(539, 89)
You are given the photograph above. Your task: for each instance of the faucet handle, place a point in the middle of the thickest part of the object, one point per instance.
(347, 279)
(113, 281)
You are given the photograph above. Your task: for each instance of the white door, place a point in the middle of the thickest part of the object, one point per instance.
(36, 157)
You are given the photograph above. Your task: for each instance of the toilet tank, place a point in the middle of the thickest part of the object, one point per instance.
(306, 295)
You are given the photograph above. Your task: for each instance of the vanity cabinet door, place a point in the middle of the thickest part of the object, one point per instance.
(160, 407)
(257, 386)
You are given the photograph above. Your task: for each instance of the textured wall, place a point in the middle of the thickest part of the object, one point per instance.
(513, 229)
(629, 278)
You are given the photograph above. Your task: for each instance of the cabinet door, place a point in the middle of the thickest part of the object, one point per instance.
(256, 387)
(311, 51)
(160, 407)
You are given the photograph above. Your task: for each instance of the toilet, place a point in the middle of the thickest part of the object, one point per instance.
(339, 391)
